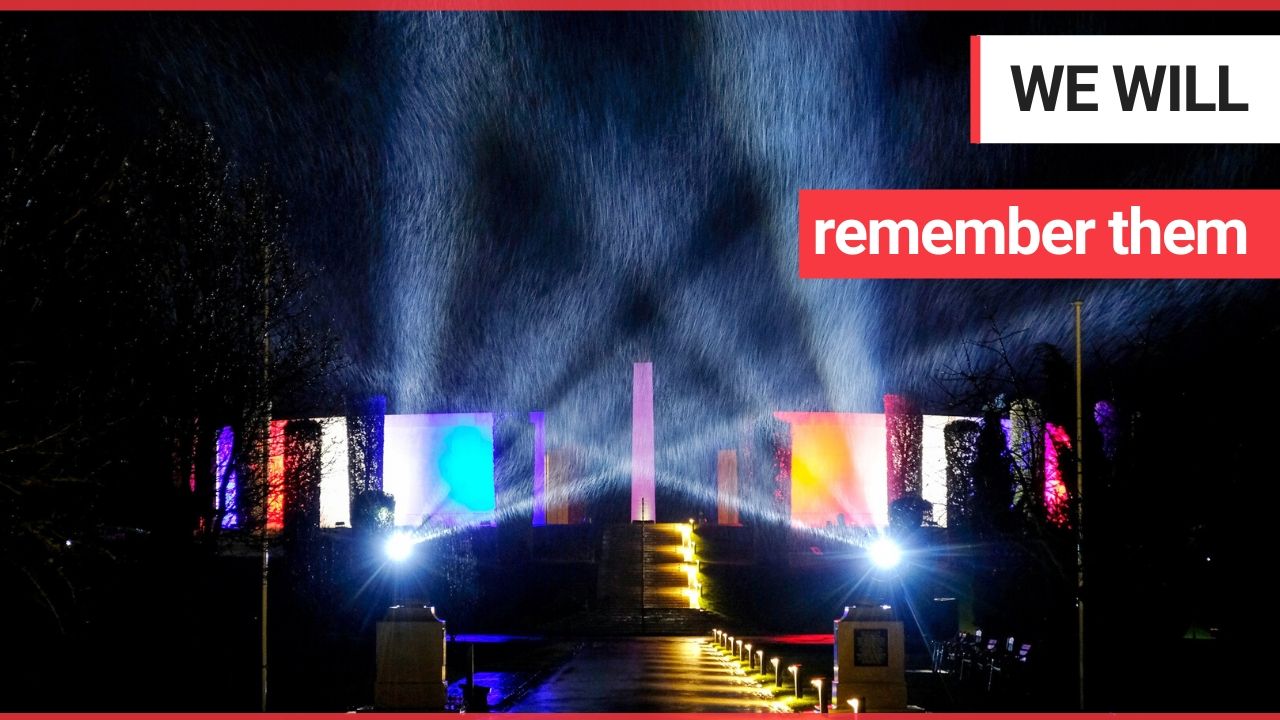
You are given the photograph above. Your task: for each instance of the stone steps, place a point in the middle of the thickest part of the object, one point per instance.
(641, 568)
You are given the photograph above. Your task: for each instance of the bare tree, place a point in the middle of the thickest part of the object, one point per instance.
(139, 275)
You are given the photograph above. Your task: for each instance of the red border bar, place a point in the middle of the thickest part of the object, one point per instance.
(975, 89)
(661, 5)
(635, 715)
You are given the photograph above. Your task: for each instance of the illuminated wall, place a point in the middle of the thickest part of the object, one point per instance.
(539, 467)
(335, 491)
(563, 496)
(1056, 499)
(302, 473)
(839, 469)
(839, 465)
(1025, 430)
(437, 466)
(902, 429)
(275, 475)
(440, 468)
(1108, 424)
(366, 435)
(224, 474)
(642, 464)
(727, 487)
(933, 464)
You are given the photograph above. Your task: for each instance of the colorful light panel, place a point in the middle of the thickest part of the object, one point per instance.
(839, 469)
(933, 464)
(224, 473)
(440, 468)
(1056, 498)
(727, 487)
(275, 475)
(335, 490)
(539, 468)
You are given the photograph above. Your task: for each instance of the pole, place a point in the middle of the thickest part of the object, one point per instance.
(1079, 305)
(266, 560)
(266, 453)
(470, 701)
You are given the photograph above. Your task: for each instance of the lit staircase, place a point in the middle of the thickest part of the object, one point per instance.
(649, 581)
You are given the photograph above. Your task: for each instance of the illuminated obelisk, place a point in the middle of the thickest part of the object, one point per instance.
(642, 472)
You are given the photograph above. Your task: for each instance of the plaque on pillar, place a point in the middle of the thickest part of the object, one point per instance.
(870, 662)
(411, 660)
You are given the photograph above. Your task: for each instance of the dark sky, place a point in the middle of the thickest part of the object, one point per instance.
(504, 210)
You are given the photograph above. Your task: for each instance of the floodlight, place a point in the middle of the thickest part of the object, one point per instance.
(399, 547)
(884, 553)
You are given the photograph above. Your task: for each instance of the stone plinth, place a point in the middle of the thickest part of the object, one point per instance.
(870, 660)
(411, 662)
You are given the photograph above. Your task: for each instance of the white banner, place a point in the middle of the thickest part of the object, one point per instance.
(1124, 89)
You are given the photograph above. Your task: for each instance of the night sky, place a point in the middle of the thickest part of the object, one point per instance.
(503, 211)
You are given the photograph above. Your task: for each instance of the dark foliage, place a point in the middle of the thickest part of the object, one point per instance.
(147, 300)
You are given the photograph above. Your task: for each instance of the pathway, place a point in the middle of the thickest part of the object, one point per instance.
(659, 674)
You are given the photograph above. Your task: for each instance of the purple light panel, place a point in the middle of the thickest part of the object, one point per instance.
(539, 468)
(224, 473)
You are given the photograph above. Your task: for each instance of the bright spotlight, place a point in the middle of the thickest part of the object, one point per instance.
(884, 553)
(399, 547)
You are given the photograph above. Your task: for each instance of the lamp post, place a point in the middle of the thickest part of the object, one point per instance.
(266, 460)
(739, 653)
(853, 705)
(750, 662)
(817, 683)
(760, 660)
(777, 674)
(795, 676)
(730, 644)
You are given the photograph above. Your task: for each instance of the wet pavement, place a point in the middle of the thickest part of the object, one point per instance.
(644, 675)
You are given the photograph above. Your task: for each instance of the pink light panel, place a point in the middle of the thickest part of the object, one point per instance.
(643, 484)
(1056, 497)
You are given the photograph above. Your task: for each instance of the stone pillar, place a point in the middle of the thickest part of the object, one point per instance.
(727, 487)
(870, 660)
(560, 481)
(411, 661)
